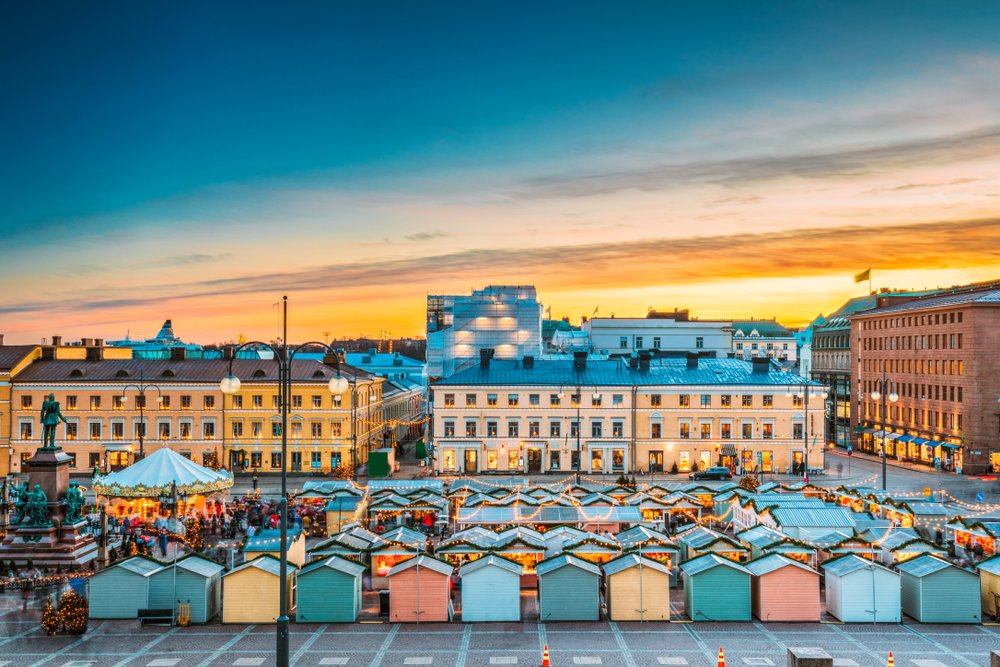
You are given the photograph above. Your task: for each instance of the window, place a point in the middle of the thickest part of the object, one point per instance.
(237, 402)
(797, 431)
(276, 400)
(317, 402)
(71, 430)
(596, 429)
(117, 402)
(185, 430)
(95, 402)
(512, 429)
(797, 400)
(725, 430)
(316, 459)
(655, 400)
(638, 342)
(656, 430)
(684, 430)
(163, 430)
(534, 429)
(768, 400)
(185, 402)
(617, 400)
(767, 430)
(699, 342)
(706, 430)
(553, 460)
(257, 401)
(554, 400)
(747, 401)
(595, 400)
(470, 429)
(256, 459)
(555, 429)
(275, 429)
(164, 402)
(617, 429)
(95, 459)
(512, 400)
(449, 400)
(71, 402)
(623, 342)
(208, 402)
(26, 430)
(316, 429)
(449, 429)
(574, 428)
(513, 459)
(470, 400)
(26, 402)
(574, 400)
(534, 399)
(208, 430)
(337, 429)
(684, 400)
(491, 429)
(747, 430)
(491, 400)
(726, 401)
(296, 401)
(117, 430)
(706, 400)
(237, 429)
(656, 342)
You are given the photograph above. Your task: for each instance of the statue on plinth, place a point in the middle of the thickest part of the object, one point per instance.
(37, 510)
(74, 503)
(51, 416)
(20, 505)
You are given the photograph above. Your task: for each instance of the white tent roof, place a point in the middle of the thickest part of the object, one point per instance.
(156, 473)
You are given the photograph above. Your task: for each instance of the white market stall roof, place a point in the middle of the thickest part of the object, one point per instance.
(156, 474)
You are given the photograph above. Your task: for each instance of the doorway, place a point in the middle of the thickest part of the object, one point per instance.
(597, 461)
(655, 462)
(117, 460)
(797, 461)
(471, 460)
(534, 460)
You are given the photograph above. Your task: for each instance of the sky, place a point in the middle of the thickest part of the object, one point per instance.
(196, 161)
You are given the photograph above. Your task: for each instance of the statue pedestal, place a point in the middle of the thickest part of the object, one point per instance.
(58, 544)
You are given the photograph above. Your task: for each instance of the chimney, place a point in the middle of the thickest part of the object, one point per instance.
(1, 339)
(228, 352)
(644, 358)
(579, 361)
(86, 342)
(528, 362)
(94, 353)
(178, 354)
(98, 342)
(761, 364)
(692, 360)
(485, 355)
(57, 340)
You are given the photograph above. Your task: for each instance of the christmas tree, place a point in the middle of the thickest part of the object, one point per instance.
(749, 482)
(50, 619)
(192, 534)
(73, 611)
(213, 460)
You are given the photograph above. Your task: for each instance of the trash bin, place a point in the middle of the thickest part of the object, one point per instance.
(383, 603)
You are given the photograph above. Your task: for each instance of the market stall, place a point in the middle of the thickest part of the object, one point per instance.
(935, 591)
(860, 591)
(782, 589)
(716, 589)
(491, 590)
(192, 580)
(638, 589)
(330, 591)
(122, 589)
(568, 589)
(250, 591)
(420, 591)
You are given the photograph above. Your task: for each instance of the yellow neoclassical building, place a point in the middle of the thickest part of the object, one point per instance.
(629, 416)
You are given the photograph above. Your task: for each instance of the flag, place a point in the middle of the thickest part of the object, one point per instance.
(864, 275)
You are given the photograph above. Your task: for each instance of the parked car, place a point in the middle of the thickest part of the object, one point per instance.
(718, 472)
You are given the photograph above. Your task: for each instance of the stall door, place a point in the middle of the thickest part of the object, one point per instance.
(534, 460)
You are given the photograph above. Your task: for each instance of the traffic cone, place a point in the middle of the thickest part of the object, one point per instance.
(891, 661)
(545, 657)
(722, 658)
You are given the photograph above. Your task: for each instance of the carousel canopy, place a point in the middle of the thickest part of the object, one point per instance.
(157, 473)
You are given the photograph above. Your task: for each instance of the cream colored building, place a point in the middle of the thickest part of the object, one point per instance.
(617, 417)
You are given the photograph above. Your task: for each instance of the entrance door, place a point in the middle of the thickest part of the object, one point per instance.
(471, 460)
(797, 462)
(534, 460)
(704, 460)
(656, 462)
(117, 460)
(296, 461)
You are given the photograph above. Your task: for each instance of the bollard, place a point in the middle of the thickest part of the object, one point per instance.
(994, 658)
(800, 656)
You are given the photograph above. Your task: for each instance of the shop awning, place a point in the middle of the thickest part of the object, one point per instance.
(869, 431)
(906, 438)
(923, 441)
(948, 445)
(116, 447)
(878, 434)
(729, 449)
(893, 436)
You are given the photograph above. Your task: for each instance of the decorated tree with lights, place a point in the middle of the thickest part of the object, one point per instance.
(50, 619)
(192, 534)
(749, 482)
(73, 612)
(213, 460)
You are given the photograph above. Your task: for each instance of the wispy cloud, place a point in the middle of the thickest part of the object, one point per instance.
(426, 236)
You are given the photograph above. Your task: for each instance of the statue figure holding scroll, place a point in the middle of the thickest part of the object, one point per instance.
(51, 416)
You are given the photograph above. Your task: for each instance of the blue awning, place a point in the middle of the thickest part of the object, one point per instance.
(948, 445)
(906, 438)
(893, 436)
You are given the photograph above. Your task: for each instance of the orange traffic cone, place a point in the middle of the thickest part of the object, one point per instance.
(891, 661)
(545, 657)
(722, 658)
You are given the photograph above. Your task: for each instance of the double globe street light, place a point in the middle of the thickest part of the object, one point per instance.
(231, 385)
(885, 388)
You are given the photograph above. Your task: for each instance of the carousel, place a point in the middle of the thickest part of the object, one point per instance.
(164, 479)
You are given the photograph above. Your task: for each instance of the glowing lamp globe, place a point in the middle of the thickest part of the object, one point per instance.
(893, 397)
(338, 385)
(229, 385)
(876, 395)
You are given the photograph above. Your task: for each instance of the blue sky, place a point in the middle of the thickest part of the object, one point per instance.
(178, 148)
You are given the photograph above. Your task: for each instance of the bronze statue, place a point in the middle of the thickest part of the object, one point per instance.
(74, 503)
(51, 416)
(37, 509)
(20, 505)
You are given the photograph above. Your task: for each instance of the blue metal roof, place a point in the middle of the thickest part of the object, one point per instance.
(613, 373)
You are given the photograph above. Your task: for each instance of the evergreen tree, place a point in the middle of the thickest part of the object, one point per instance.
(192, 534)
(50, 619)
(73, 612)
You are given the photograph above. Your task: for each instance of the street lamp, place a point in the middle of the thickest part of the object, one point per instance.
(141, 388)
(886, 390)
(229, 385)
(803, 391)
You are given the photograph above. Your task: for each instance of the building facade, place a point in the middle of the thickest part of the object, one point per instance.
(503, 318)
(390, 365)
(763, 338)
(101, 389)
(13, 358)
(937, 355)
(664, 333)
(616, 417)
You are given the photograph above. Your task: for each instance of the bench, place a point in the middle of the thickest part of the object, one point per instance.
(156, 616)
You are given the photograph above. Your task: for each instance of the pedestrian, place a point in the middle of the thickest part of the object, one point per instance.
(162, 538)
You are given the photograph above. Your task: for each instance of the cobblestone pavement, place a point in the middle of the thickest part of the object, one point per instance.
(126, 643)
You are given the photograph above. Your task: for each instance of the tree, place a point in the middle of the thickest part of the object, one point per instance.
(50, 619)
(73, 612)
(674, 470)
(749, 482)
(192, 534)
(213, 460)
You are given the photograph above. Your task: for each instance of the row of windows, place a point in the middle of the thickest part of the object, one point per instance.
(929, 392)
(912, 321)
(315, 460)
(618, 400)
(699, 342)
(164, 402)
(185, 429)
(756, 346)
(918, 366)
(684, 430)
(944, 341)
(831, 342)
(916, 417)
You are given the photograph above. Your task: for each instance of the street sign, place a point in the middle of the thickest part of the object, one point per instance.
(980, 497)
(927, 491)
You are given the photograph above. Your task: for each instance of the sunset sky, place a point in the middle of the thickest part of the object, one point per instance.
(737, 159)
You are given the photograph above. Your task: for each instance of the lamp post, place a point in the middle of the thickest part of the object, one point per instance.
(806, 390)
(229, 386)
(353, 382)
(885, 393)
(141, 387)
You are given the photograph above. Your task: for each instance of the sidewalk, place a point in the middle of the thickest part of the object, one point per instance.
(906, 465)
